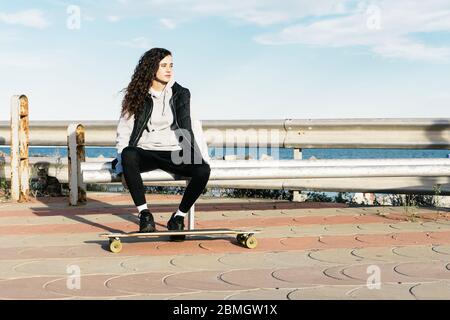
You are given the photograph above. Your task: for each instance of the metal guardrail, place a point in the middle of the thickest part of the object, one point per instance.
(433, 133)
(358, 175)
(58, 168)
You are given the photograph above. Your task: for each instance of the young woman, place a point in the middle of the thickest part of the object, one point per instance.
(155, 115)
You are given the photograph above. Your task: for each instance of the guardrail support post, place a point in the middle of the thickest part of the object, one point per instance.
(297, 195)
(191, 212)
(20, 174)
(76, 155)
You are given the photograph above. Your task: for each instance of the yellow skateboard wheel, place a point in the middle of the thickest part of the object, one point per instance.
(251, 242)
(115, 246)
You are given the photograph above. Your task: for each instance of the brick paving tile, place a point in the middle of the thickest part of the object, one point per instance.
(375, 228)
(302, 243)
(335, 256)
(387, 273)
(8, 271)
(414, 238)
(28, 289)
(410, 226)
(90, 286)
(322, 293)
(386, 292)
(340, 241)
(381, 254)
(341, 229)
(377, 239)
(146, 283)
(147, 297)
(439, 290)
(441, 236)
(150, 263)
(311, 276)
(59, 267)
(261, 294)
(198, 262)
(203, 295)
(443, 249)
(247, 260)
(190, 246)
(430, 269)
(286, 259)
(335, 272)
(201, 280)
(420, 253)
(256, 278)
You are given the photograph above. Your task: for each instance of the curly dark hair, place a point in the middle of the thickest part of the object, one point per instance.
(141, 81)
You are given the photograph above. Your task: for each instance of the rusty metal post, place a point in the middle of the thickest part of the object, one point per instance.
(20, 182)
(76, 155)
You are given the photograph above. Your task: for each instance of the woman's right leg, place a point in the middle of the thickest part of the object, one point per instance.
(134, 161)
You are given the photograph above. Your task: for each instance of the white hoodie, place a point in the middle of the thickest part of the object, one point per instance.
(159, 136)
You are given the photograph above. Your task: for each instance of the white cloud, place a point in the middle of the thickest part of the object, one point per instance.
(113, 18)
(168, 23)
(24, 60)
(385, 27)
(29, 18)
(262, 18)
(397, 20)
(413, 51)
(140, 43)
(88, 18)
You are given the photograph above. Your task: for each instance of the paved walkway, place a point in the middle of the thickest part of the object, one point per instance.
(305, 251)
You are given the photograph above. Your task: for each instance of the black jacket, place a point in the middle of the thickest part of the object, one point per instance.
(180, 106)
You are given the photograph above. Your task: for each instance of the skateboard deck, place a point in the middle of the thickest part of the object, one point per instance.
(244, 237)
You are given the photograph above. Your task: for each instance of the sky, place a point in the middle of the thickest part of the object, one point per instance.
(240, 59)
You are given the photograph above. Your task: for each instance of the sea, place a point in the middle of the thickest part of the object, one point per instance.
(255, 153)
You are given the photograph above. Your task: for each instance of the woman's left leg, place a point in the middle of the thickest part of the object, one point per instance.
(199, 174)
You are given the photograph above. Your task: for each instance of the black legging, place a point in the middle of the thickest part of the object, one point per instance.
(136, 160)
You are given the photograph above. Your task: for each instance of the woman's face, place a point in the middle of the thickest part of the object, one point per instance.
(165, 72)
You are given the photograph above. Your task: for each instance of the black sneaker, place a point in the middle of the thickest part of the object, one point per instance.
(146, 221)
(176, 224)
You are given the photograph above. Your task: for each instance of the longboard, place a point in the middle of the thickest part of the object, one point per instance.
(244, 237)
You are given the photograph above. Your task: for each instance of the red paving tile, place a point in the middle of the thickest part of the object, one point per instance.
(126, 226)
(430, 269)
(340, 241)
(149, 283)
(298, 277)
(376, 239)
(256, 278)
(201, 280)
(441, 236)
(90, 286)
(181, 247)
(28, 289)
(386, 273)
(105, 204)
(413, 238)
(301, 243)
(71, 228)
(154, 246)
